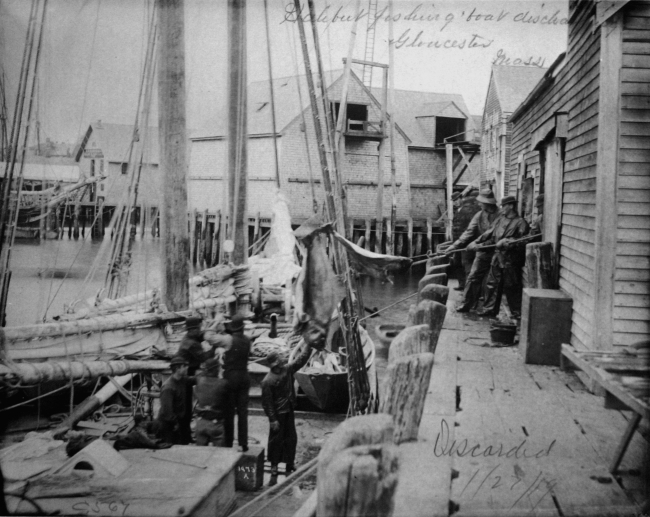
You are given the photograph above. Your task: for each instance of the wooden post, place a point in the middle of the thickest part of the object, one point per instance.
(208, 244)
(390, 244)
(192, 226)
(42, 222)
(436, 270)
(430, 234)
(216, 239)
(434, 292)
(404, 391)
(538, 272)
(351, 229)
(367, 236)
(410, 236)
(431, 313)
(143, 215)
(173, 155)
(357, 468)
(379, 230)
(410, 341)
(418, 244)
(400, 244)
(450, 188)
(256, 232)
(205, 250)
(440, 278)
(100, 218)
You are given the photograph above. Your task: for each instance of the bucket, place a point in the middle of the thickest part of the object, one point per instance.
(503, 333)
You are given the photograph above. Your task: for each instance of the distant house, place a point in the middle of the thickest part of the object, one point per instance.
(509, 86)
(106, 150)
(428, 119)
(582, 138)
(422, 122)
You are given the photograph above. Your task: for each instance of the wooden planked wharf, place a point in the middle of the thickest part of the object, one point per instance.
(499, 437)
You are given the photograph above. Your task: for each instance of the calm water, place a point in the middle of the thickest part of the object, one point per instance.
(50, 274)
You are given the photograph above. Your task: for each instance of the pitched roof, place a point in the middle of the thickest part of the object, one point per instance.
(514, 83)
(408, 105)
(114, 140)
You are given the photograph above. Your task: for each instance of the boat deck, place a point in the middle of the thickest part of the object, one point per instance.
(499, 437)
(181, 480)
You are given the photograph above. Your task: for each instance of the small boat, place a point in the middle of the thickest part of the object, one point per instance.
(328, 389)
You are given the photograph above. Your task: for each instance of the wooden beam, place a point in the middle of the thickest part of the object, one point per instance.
(466, 165)
(366, 63)
(450, 188)
(606, 177)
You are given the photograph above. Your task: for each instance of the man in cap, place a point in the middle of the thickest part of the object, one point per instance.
(278, 401)
(463, 216)
(173, 404)
(211, 400)
(505, 268)
(235, 371)
(480, 262)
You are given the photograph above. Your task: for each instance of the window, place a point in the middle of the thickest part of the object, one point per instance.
(449, 127)
(92, 167)
(355, 112)
(125, 168)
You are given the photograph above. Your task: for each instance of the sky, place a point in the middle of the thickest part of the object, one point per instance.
(93, 50)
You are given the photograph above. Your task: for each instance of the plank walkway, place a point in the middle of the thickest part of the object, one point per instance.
(501, 438)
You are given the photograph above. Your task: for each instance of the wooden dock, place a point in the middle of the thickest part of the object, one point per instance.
(499, 437)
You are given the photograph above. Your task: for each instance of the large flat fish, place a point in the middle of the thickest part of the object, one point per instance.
(318, 290)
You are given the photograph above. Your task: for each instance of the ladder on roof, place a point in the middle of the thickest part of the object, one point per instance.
(370, 42)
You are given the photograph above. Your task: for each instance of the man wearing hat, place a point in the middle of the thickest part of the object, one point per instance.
(506, 265)
(468, 208)
(480, 265)
(211, 400)
(235, 372)
(278, 401)
(173, 404)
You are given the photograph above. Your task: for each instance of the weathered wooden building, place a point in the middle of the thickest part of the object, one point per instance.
(422, 121)
(508, 87)
(582, 138)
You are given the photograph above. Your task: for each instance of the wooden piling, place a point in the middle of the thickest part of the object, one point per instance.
(434, 292)
(418, 244)
(379, 230)
(412, 340)
(433, 314)
(437, 261)
(389, 240)
(192, 236)
(204, 237)
(367, 235)
(410, 236)
(432, 279)
(436, 270)
(400, 244)
(216, 239)
(430, 234)
(405, 388)
(358, 468)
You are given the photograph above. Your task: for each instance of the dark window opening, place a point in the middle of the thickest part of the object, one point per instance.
(449, 127)
(355, 112)
(92, 167)
(125, 168)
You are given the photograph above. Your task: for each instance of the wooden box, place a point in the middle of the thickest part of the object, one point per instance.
(249, 473)
(545, 325)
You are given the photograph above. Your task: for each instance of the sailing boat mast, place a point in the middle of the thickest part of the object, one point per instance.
(173, 157)
(237, 130)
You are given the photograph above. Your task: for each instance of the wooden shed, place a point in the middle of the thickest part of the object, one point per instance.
(582, 138)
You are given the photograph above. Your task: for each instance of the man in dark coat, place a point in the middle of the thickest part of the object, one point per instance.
(469, 206)
(235, 371)
(278, 401)
(191, 349)
(480, 223)
(211, 401)
(173, 404)
(506, 266)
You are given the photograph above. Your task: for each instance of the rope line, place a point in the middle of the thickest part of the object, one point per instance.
(388, 306)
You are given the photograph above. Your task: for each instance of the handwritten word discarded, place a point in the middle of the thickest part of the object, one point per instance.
(509, 483)
(407, 40)
(503, 59)
(442, 447)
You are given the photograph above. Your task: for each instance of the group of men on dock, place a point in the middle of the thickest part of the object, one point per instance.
(218, 379)
(488, 239)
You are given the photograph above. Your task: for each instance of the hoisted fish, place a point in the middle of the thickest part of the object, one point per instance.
(318, 289)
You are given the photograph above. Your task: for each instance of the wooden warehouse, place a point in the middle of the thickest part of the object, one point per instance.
(582, 138)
